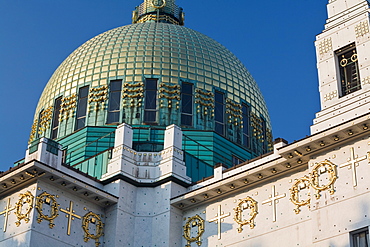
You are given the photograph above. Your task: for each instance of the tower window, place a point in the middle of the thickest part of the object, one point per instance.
(83, 95)
(114, 101)
(360, 238)
(219, 113)
(187, 104)
(150, 111)
(348, 69)
(246, 127)
(56, 114)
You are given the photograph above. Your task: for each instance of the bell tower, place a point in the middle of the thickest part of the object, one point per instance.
(343, 62)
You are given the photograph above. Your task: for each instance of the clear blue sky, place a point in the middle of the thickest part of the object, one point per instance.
(274, 40)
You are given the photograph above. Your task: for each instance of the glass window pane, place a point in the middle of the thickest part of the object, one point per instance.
(151, 84)
(150, 116)
(186, 104)
(151, 100)
(186, 120)
(114, 101)
(150, 111)
(83, 94)
(113, 117)
(115, 85)
(56, 113)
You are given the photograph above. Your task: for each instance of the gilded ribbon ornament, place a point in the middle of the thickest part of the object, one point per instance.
(93, 218)
(299, 185)
(247, 203)
(319, 169)
(49, 199)
(192, 222)
(20, 212)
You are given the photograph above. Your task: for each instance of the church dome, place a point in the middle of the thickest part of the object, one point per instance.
(197, 84)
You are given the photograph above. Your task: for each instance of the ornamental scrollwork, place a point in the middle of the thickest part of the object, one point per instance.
(93, 218)
(299, 185)
(21, 212)
(319, 169)
(247, 203)
(49, 199)
(195, 221)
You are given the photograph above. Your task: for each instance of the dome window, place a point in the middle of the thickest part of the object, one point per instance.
(83, 95)
(150, 111)
(246, 127)
(115, 89)
(55, 124)
(187, 104)
(220, 113)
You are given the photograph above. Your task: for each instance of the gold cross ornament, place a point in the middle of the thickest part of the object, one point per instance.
(70, 214)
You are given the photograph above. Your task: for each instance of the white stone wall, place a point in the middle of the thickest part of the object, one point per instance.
(13, 235)
(36, 233)
(328, 221)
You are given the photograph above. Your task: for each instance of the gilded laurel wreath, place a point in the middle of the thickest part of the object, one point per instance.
(299, 185)
(247, 203)
(49, 199)
(192, 222)
(321, 168)
(93, 218)
(21, 212)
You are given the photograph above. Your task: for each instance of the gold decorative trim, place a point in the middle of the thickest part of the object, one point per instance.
(33, 131)
(321, 168)
(247, 203)
(299, 185)
(139, 95)
(140, 90)
(365, 80)
(71, 215)
(98, 95)
(139, 84)
(20, 212)
(205, 100)
(361, 29)
(331, 95)
(191, 222)
(325, 46)
(45, 120)
(67, 107)
(49, 199)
